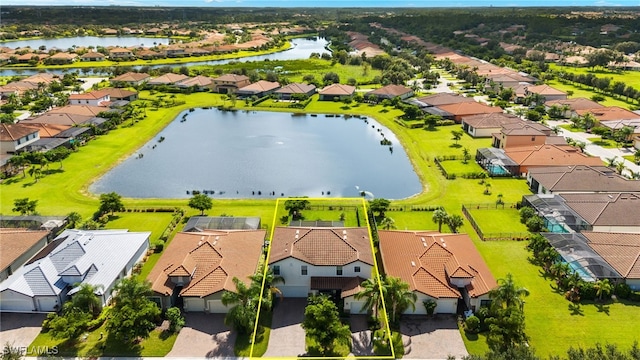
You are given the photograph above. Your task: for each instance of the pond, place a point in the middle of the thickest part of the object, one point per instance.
(252, 154)
(84, 41)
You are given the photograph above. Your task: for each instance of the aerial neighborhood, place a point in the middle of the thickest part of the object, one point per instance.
(442, 184)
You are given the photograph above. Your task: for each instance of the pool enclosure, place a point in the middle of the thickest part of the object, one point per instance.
(558, 216)
(496, 162)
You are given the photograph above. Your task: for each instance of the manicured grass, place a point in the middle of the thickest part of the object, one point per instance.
(93, 345)
(498, 220)
(605, 143)
(242, 347)
(628, 77)
(587, 92)
(458, 167)
(570, 127)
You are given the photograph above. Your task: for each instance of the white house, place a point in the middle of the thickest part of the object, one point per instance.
(14, 137)
(97, 257)
(331, 261)
(445, 268)
(93, 98)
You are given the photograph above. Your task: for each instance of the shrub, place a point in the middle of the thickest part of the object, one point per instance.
(535, 224)
(472, 324)
(622, 290)
(587, 290)
(176, 320)
(158, 248)
(526, 213)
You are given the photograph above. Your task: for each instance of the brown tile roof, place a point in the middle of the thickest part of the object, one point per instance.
(232, 78)
(391, 90)
(86, 110)
(195, 81)
(525, 128)
(48, 130)
(60, 119)
(321, 246)
(493, 120)
(12, 132)
(261, 86)
(212, 258)
(609, 113)
(92, 95)
(338, 90)
(64, 56)
(15, 242)
(46, 78)
(168, 78)
(581, 178)
(427, 260)
(546, 155)
(606, 209)
(92, 55)
(469, 108)
(348, 285)
(117, 93)
(296, 88)
(621, 251)
(132, 77)
(444, 99)
(579, 103)
(545, 90)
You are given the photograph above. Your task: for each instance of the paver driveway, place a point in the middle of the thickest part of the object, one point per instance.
(361, 344)
(431, 338)
(287, 335)
(19, 329)
(204, 335)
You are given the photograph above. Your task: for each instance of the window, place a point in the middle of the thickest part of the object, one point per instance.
(276, 270)
(338, 270)
(485, 303)
(303, 270)
(356, 269)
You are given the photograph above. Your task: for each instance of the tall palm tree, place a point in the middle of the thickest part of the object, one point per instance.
(507, 294)
(87, 298)
(440, 216)
(454, 222)
(270, 280)
(373, 294)
(603, 287)
(242, 316)
(387, 223)
(399, 297)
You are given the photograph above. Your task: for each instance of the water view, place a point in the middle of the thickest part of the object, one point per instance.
(265, 154)
(84, 41)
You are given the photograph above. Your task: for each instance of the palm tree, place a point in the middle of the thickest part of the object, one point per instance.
(35, 172)
(454, 222)
(87, 298)
(440, 216)
(603, 287)
(399, 297)
(73, 218)
(242, 316)
(270, 280)
(620, 167)
(507, 294)
(373, 294)
(387, 223)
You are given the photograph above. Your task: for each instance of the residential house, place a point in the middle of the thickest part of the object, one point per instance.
(523, 133)
(457, 111)
(621, 251)
(548, 92)
(615, 125)
(609, 113)
(119, 53)
(200, 266)
(598, 212)
(579, 179)
(389, 92)
(200, 83)
(332, 260)
(294, 90)
(28, 57)
(572, 105)
(131, 78)
(445, 268)
(14, 137)
(95, 257)
(259, 88)
(17, 246)
(147, 54)
(117, 94)
(61, 58)
(205, 223)
(174, 51)
(46, 130)
(92, 56)
(167, 79)
(93, 98)
(439, 99)
(484, 125)
(336, 91)
(230, 83)
(58, 119)
(636, 142)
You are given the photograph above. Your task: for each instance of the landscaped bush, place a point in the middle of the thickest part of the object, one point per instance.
(622, 291)
(474, 175)
(445, 122)
(158, 248)
(535, 224)
(472, 324)
(587, 290)
(526, 213)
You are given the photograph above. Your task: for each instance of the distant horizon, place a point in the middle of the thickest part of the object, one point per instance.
(372, 4)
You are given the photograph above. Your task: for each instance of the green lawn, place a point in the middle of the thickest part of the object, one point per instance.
(605, 143)
(628, 77)
(457, 167)
(498, 220)
(587, 92)
(571, 128)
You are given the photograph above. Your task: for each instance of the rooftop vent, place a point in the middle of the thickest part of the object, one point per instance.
(413, 263)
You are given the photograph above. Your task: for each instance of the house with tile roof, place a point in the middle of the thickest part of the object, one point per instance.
(117, 94)
(439, 99)
(230, 83)
(199, 83)
(457, 111)
(579, 179)
(92, 56)
(294, 90)
(259, 88)
(167, 79)
(523, 133)
(119, 53)
(573, 105)
(445, 268)
(609, 113)
(550, 93)
(96, 257)
(17, 246)
(14, 137)
(336, 91)
(93, 98)
(198, 267)
(332, 260)
(131, 78)
(529, 157)
(484, 125)
(389, 92)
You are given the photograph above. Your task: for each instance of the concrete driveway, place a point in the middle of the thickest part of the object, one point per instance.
(287, 335)
(431, 338)
(204, 335)
(361, 344)
(19, 329)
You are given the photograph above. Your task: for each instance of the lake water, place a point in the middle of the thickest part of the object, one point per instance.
(255, 154)
(95, 41)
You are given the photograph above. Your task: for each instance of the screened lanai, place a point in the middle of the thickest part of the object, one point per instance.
(558, 216)
(582, 259)
(496, 162)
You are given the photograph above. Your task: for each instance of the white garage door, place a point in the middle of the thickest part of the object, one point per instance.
(294, 291)
(46, 304)
(16, 305)
(215, 306)
(357, 307)
(194, 305)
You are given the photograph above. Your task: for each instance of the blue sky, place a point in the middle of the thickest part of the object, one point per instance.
(328, 3)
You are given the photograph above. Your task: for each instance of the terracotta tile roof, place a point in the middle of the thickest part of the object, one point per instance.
(610, 113)
(132, 77)
(321, 246)
(493, 120)
(168, 78)
(338, 90)
(469, 108)
(13, 132)
(92, 95)
(232, 78)
(427, 260)
(260, 86)
(64, 56)
(48, 130)
(391, 90)
(348, 285)
(86, 110)
(15, 242)
(576, 103)
(525, 128)
(117, 93)
(211, 258)
(581, 178)
(545, 90)
(57, 120)
(92, 55)
(444, 99)
(546, 155)
(606, 209)
(195, 81)
(296, 88)
(621, 251)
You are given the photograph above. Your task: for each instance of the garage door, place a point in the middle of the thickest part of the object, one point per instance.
(16, 305)
(294, 291)
(46, 304)
(215, 306)
(194, 305)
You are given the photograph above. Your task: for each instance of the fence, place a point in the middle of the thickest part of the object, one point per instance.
(517, 236)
